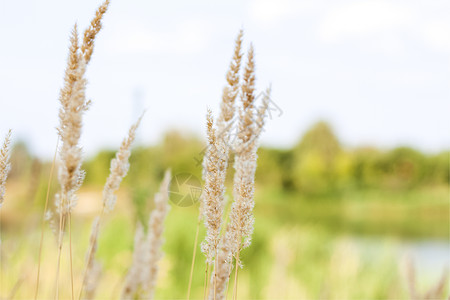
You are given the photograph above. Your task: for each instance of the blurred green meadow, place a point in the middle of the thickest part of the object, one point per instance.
(332, 222)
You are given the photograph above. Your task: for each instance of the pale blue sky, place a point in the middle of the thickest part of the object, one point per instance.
(378, 71)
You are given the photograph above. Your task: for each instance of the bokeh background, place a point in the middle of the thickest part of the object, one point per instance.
(353, 169)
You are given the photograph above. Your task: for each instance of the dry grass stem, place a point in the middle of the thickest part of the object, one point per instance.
(194, 253)
(132, 280)
(93, 268)
(44, 218)
(155, 240)
(222, 271)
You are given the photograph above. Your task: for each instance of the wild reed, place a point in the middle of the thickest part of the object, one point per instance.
(5, 165)
(73, 105)
(141, 278)
(218, 247)
(216, 158)
(118, 170)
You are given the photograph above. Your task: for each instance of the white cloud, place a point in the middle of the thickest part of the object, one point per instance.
(362, 18)
(437, 34)
(388, 44)
(272, 11)
(191, 36)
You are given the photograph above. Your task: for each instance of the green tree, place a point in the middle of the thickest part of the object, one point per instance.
(318, 161)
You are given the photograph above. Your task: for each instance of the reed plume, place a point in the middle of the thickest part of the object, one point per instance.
(240, 227)
(118, 170)
(91, 32)
(73, 105)
(142, 275)
(213, 193)
(225, 252)
(215, 162)
(230, 91)
(218, 247)
(5, 165)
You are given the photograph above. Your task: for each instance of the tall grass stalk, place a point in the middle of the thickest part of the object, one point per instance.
(118, 170)
(50, 177)
(194, 253)
(143, 273)
(73, 105)
(215, 162)
(221, 247)
(70, 256)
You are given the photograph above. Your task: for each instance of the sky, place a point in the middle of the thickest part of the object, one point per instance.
(377, 71)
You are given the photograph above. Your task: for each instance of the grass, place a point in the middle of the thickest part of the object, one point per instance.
(288, 256)
(414, 214)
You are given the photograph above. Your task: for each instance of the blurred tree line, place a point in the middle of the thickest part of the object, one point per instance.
(318, 165)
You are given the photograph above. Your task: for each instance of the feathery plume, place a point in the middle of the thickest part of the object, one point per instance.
(246, 112)
(213, 192)
(141, 278)
(119, 169)
(231, 90)
(221, 248)
(91, 32)
(73, 105)
(241, 215)
(216, 159)
(71, 73)
(5, 166)
(261, 112)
